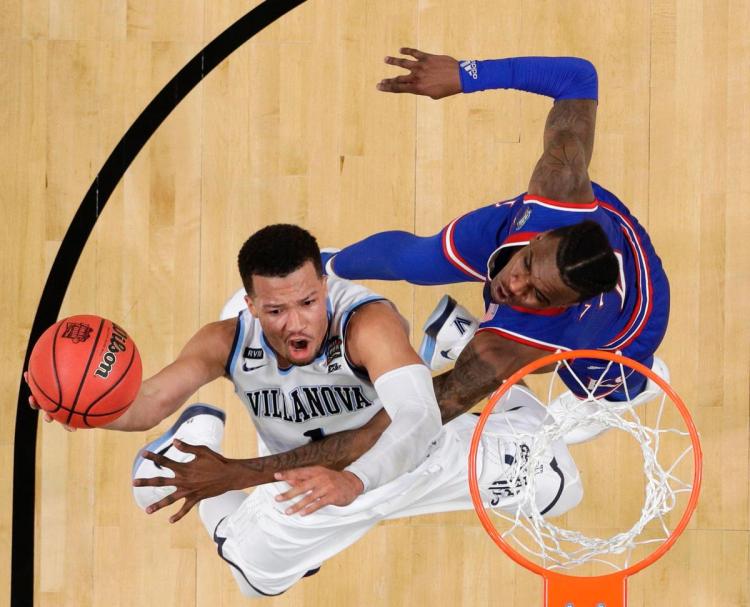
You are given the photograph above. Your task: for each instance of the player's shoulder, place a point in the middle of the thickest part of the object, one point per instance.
(212, 343)
(344, 296)
(218, 334)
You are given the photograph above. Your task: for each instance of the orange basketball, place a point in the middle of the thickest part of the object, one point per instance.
(85, 371)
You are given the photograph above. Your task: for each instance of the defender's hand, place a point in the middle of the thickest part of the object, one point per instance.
(208, 475)
(435, 76)
(34, 405)
(322, 487)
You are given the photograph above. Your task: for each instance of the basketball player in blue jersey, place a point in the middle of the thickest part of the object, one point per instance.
(564, 265)
(348, 425)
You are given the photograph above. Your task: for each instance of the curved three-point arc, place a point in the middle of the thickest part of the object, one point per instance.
(24, 448)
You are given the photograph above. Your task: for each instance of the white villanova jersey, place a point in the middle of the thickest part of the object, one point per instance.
(292, 406)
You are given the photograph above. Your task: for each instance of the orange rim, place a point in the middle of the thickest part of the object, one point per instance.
(553, 577)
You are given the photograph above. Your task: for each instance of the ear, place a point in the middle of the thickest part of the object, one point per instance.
(541, 235)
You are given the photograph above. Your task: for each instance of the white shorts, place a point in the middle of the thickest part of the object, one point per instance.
(273, 550)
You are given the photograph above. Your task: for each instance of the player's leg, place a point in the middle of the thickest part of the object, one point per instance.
(620, 386)
(270, 551)
(198, 424)
(513, 424)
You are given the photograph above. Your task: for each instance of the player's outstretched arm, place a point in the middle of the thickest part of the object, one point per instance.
(482, 366)
(200, 362)
(314, 468)
(317, 468)
(562, 171)
(378, 341)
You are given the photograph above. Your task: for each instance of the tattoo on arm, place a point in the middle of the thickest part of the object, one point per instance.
(576, 117)
(471, 380)
(334, 451)
(562, 171)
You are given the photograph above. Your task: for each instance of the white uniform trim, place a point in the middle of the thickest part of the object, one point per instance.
(275, 550)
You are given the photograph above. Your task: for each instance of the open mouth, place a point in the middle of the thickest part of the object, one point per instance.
(299, 345)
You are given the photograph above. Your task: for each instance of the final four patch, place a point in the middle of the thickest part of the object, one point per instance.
(333, 349)
(521, 218)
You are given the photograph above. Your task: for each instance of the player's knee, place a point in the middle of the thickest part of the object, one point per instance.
(252, 590)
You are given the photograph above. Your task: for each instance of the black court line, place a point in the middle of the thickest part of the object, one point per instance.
(93, 203)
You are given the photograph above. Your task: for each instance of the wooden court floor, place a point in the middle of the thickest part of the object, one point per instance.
(290, 128)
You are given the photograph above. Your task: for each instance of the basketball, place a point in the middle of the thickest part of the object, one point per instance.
(84, 371)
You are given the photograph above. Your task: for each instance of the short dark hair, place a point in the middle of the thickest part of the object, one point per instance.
(277, 250)
(585, 259)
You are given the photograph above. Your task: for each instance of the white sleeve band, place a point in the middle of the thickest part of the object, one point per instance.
(409, 399)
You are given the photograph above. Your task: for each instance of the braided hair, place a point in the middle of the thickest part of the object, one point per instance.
(585, 259)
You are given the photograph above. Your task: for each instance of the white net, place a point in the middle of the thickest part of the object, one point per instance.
(650, 419)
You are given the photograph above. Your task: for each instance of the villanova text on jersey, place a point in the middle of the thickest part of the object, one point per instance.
(307, 402)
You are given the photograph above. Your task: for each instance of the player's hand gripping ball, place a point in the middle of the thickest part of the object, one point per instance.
(85, 371)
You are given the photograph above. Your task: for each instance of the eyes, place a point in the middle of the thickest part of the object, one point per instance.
(305, 304)
(536, 294)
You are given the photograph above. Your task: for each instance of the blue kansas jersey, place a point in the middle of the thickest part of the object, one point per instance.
(632, 318)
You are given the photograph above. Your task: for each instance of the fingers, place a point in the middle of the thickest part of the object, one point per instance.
(35, 405)
(154, 481)
(417, 54)
(161, 460)
(165, 501)
(187, 447)
(407, 64)
(394, 85)
(186, 507)
(308, 505)
(47, 417)
(297, 484)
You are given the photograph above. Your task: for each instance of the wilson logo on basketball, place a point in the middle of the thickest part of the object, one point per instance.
(117, 343)
(77, 331)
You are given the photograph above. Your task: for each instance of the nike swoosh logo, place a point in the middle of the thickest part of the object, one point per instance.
(446, 354)
(162, 451)
(247, 369)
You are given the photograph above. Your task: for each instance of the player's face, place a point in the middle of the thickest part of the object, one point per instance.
(531, 279)
(292, 313)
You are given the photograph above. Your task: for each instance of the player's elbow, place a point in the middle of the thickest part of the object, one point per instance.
(585, 67)
(583, 81)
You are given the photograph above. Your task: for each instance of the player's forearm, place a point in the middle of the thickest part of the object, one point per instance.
(396, 255)
(473, 378)
(335, 451)
(147, 411)
(556, 77)
(409, 399)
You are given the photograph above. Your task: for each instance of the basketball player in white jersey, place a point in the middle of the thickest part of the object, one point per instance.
(313, 360)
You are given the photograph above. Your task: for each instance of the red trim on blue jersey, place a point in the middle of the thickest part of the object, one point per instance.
(538, 312)
(637, 306)
(641, 312)
(569, 206)
(518, 238)
(522, 339)
(452, 255)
